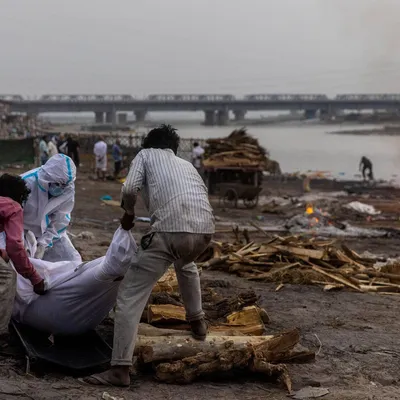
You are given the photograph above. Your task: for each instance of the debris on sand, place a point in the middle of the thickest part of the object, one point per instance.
(301, 260)
(362, 208)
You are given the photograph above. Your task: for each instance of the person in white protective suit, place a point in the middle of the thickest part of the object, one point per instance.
(47, 213)
(80, 295)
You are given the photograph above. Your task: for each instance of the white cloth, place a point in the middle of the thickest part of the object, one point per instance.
(80, 295)
(172, 190)
(52, 148)
(100, 151)
(48, 219)
(197, 155)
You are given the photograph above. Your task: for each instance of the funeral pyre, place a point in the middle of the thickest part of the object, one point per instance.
(238, 150)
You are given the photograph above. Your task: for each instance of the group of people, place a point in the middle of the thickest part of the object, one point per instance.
(68, 145)
(58, 293)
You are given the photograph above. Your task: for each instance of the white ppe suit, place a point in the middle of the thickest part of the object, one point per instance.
(48, 217)
(80, 295)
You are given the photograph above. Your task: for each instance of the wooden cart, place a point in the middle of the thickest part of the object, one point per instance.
(231, 193)
(234, 184)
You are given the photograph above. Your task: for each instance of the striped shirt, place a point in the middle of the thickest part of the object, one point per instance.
(173, 192)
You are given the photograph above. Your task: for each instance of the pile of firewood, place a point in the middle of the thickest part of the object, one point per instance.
(237, 150)
(236, 341)
(302, 260)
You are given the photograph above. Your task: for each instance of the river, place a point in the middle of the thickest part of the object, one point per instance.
(307, 147)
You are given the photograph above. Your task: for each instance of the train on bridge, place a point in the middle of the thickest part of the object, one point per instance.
(278, 97)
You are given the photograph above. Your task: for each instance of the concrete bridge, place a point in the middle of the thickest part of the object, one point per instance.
(217, 108)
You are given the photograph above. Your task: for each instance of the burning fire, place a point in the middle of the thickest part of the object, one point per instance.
(313, 219)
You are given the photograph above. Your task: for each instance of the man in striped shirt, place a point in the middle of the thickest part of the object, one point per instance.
(182, 224)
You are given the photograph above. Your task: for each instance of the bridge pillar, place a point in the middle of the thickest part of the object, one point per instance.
(222, 117)
(122, 118)
(209, 119)
(99, 117)
(239, 115)
(140, 115)
(310, 114)
(110, 117)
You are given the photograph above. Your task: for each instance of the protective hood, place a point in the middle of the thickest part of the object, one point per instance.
(58, 169)
(51, 215)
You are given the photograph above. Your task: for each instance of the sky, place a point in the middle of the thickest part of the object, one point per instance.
(143, 47)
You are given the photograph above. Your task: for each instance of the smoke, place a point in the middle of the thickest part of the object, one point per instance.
(371, 28)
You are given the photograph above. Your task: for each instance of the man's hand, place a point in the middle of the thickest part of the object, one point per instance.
(127, 222)
(40, 252)
(40, 288)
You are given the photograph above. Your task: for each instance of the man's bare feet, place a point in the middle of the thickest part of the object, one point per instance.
(116, 376)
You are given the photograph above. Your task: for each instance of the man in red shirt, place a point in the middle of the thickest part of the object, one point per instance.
(13, 193)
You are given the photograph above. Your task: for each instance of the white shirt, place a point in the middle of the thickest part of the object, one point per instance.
(100, 149)
(197, 155)
(173, 191)
(52, 149)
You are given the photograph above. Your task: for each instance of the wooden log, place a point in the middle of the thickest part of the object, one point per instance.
(236, 330)
(152, 331)
(337, 278)
(164, 348)
(167, 283)
(377, 274)
(247, 316)
(299, 251)
(165, 313)
(255, 358)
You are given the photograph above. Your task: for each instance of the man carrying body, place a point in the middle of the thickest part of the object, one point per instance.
(13, 193)
(366, 165)
(100, 152)
(182, 224)
(117, 156)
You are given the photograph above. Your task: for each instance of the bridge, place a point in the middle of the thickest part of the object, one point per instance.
(217, 108)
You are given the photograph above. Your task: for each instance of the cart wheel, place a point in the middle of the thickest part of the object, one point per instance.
(250, 203)
(230, 198)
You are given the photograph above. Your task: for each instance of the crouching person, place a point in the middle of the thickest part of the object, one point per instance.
(13, 193)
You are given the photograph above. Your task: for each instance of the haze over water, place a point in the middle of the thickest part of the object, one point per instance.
(310, 147)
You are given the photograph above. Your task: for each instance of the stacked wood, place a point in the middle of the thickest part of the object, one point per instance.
(301, 260)
(235, 342)
(248, 321)
(237, 150)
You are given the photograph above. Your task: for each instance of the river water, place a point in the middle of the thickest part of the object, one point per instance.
(309, 147)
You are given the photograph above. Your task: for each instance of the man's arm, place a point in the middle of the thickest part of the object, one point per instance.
(134, 182)
(13, 228)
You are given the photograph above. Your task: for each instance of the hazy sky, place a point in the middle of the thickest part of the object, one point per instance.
(199, 46)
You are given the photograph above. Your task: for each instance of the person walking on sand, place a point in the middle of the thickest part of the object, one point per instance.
(100, 153)
(182, 224)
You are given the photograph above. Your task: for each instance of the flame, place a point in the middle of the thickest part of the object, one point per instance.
(309, 209)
